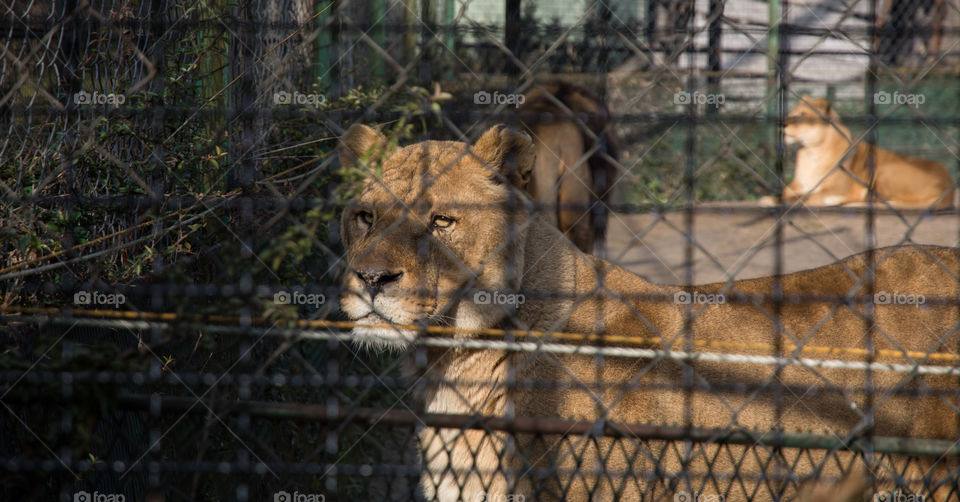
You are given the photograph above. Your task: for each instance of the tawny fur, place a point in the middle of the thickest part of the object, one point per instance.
(852, 489)
(496, 244)
(831, 171)
(574, 172)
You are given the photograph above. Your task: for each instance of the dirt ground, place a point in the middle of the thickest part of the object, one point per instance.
(737, 240)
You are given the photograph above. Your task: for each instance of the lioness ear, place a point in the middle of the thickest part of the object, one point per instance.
(828, 112)
(509, 152)
(358, 142)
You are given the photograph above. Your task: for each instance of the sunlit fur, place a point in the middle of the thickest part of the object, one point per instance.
(833, 167)
(498, 244)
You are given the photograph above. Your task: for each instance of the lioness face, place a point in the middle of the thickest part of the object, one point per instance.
(425, 233)
(809, 121)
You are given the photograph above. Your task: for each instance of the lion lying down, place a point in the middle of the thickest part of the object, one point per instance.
(438, 225)
(573, 173)
(831, 170)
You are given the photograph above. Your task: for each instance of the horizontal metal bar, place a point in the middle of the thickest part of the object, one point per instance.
(550, 426)
(335, 330)
(314, 381)
(300, 204)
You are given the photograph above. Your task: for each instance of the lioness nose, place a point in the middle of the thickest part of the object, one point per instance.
(375, 279)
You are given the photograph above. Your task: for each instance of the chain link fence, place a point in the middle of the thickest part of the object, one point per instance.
(174, 262)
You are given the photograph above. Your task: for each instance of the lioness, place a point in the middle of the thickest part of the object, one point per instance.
(574, 172)
(439, 224)
(828, 173)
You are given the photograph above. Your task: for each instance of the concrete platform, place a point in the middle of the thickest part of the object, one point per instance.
(737, 240)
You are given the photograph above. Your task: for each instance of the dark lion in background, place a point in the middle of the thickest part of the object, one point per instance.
(575, 170)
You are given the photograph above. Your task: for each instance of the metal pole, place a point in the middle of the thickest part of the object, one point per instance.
(378, 34)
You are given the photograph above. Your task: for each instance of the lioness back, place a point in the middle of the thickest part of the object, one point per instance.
(914, 300)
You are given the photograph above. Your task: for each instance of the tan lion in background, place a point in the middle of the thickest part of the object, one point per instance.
(574, 172)
(828, 175)
(440, 225)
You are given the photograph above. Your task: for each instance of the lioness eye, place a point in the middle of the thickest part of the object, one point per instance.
(442, 221)
(366, 217)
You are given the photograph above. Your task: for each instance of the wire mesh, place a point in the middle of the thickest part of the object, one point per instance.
(194, 251)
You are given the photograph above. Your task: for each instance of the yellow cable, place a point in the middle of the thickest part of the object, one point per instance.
(446, 330)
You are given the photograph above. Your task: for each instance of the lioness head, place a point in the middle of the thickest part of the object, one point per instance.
(436, 223)
(810, 121)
